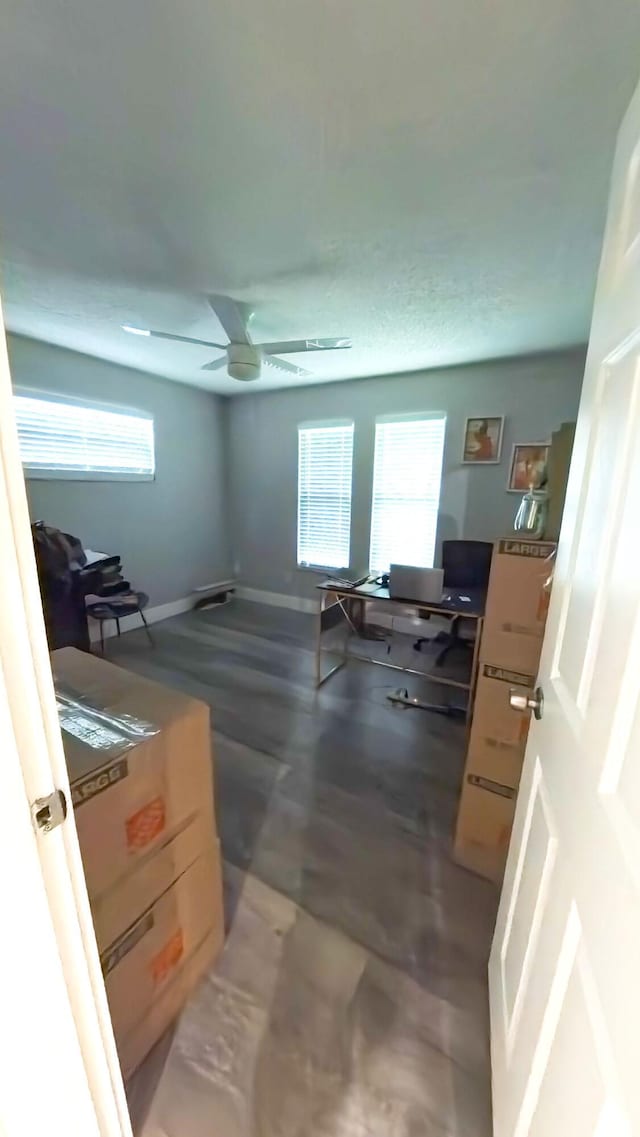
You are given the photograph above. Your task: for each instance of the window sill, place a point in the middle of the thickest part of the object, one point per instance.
(51, 475)
(321, 570)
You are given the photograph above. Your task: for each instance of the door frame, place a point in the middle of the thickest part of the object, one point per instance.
(60, 1068)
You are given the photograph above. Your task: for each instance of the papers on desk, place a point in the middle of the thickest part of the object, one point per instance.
(369, 588)
(342, 582)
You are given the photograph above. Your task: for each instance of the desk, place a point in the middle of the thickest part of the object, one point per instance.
(337, 607)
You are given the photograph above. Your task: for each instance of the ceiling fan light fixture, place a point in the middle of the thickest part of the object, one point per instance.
(245, 372)
(244, 362)
(242, 358)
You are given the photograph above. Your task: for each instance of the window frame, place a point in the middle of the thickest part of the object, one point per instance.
(410, 416)
(53, 473)
(319, 424)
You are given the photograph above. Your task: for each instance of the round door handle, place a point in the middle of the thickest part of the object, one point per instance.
(520, 701)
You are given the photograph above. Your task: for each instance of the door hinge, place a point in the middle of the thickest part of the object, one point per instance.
(50, 811)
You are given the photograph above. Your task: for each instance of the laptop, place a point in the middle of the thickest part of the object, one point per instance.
(425, 585)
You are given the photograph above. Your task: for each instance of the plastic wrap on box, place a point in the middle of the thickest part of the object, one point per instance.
(95, 726)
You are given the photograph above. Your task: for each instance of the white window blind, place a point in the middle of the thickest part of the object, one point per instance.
(325, 453)
(406, 491)
(73, 440)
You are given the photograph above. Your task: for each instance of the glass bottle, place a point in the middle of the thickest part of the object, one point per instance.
(531, 517)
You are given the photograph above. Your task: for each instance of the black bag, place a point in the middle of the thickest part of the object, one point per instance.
(57, 553)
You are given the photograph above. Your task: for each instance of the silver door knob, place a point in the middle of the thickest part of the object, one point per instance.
(520, 701)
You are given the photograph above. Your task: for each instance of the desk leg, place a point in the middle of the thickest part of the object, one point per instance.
(320, 678)
(347, 608)
(319, 639)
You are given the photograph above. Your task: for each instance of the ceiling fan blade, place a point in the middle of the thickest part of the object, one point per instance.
(186, 339)
(233, 315)
(287, 347)
(283, 365)
(215, 365)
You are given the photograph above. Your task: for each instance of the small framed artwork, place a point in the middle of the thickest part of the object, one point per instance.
(482, 441)
(528, 466)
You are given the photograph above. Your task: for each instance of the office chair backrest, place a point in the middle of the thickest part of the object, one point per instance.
(466, 564)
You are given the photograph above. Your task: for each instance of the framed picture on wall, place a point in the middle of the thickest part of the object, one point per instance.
(482, 441)
(528, 466)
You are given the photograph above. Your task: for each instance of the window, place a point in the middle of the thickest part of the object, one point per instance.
(61, 439)
(406, 490)
(325, 452)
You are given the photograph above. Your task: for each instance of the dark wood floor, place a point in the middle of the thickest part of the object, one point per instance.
(351, 998)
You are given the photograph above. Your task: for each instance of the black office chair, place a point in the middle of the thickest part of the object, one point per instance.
(466, 564)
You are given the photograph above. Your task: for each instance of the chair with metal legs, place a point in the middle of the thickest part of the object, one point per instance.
(116, 608)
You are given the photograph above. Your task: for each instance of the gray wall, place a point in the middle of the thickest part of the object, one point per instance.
(171, 533)
(227, 469)
(534, 393)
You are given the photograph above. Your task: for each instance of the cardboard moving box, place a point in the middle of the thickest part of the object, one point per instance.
(115, 909)
(517, 604)
(498, 733)
(492, 772)
(558, 465)
(516, 613)
(167, 1004)
(485, 817)
(143, 967)
(139, 763)
(140, 768)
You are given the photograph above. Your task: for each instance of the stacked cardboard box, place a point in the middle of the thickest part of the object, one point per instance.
(516, 613)
(139, 760)
(558, 464)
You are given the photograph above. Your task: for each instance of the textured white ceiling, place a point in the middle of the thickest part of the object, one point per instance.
(428, 177)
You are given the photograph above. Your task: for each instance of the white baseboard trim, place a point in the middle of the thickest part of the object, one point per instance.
(129, 623)
(277, 599)
(215, 586)
(405, 619)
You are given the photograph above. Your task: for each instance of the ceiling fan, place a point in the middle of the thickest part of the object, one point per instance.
(243, 359)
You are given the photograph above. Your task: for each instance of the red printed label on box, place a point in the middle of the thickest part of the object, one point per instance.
(143, 826)
(167, 958)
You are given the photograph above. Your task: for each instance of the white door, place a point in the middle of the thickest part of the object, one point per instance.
(59, 1070)
(565, 964)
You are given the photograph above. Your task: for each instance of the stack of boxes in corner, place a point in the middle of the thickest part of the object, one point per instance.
(139, 761)
(517, 605)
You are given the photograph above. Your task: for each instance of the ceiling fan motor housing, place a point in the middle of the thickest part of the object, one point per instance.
(244, 362)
